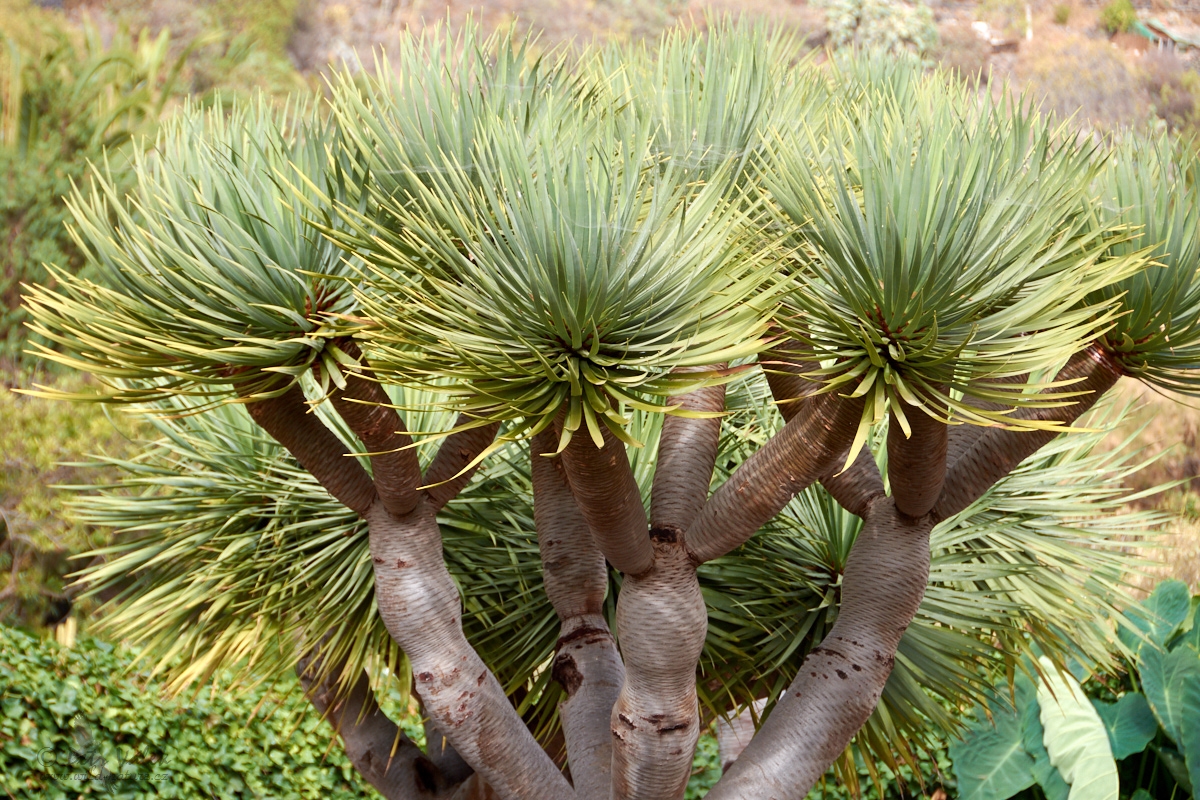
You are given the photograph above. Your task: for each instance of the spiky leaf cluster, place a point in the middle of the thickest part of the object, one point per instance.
(207, 268)
(941, 245)
(1150, 186)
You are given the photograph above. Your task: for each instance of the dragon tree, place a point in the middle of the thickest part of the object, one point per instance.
(591, 397)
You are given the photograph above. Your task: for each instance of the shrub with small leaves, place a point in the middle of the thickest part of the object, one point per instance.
(1118, 16)
(880, 24)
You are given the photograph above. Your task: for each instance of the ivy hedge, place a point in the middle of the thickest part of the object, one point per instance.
(81, 722)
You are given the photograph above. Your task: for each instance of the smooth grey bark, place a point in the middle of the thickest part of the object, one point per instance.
(735, 733)
(369, 737)
(841, 680)
(609, 499)
(804, 450)
(419, 604)
(586, 662)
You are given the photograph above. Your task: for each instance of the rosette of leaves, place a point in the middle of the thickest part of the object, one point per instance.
(207, 274)
(562, 267)
(941, 248)
(1150, 186)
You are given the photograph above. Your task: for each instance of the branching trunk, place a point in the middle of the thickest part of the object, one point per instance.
(998, 451)
(840, 682)
(805, 450)
(449, 474)
(290, 421)
(856, 486)
(586, 664)
(419, 604)
(364, 405)
(609, 499)
(916, 463)
(369, 737)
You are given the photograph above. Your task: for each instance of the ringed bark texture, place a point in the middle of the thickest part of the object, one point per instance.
(290, 421)
(799, 454)
(662, 622)
(448, 474)
(841, 681)
(916, 463)
(419, 603)
(998, 451)
(364, 405)
(586, 663)
(687, 451)
(785, 364)
(857, 485)
(609, 499)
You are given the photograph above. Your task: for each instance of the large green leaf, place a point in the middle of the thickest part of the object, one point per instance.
(1130, 724)
(1075, 737)
(1175, 765)
(1190, 729)
(1159, 615)
(1033, 737)
(1165, 676)
(990, 760)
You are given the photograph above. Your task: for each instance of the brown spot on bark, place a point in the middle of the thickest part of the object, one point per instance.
(566, 672)
(856, 667)
(377, 560)
(668, 728)
(627, 721)
(666, 535)
(482, 677)
(841, 674)
(401, 563)
(588, 632)
(425, 677)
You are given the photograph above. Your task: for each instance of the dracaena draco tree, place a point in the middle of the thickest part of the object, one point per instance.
(594, 398)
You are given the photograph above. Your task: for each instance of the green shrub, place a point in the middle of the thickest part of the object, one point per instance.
(1118, 16)
(81, 712)
(1062, 14)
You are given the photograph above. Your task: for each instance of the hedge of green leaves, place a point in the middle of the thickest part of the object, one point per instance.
(78, 723)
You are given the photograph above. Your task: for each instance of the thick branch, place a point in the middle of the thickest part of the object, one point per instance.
(609, 499)
(802, 452)
(420, 605)
(856, 486)
(841, 681)
(998, 451)
(289, 420)
(687, 451)
(662, 623)
(368, 736)
(587, 664)
(448, 474)
(785, 364)
(916, 463)
(365, 407)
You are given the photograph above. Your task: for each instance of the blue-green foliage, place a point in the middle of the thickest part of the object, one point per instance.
(81, 712)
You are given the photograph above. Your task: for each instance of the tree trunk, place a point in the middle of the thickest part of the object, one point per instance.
(840, 682)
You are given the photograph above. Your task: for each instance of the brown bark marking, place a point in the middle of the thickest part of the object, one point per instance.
(662, 622)
(421, 608)
(458, 450)
(608, 497)
(318, 450)
(916, 464)
(368, 735)
(816, 717)
(363, 404)
(803, 451)
(997, 451)
(587, 664)
(687, 451)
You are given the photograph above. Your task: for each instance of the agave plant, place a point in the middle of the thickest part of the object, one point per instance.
(529, 263)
